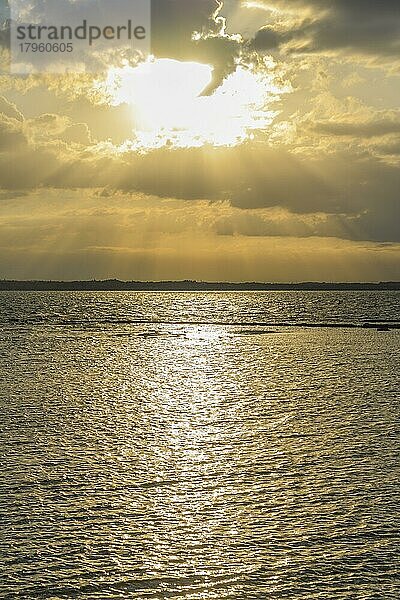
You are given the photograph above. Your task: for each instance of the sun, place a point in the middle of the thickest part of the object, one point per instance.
(161, 92)
(168, 107)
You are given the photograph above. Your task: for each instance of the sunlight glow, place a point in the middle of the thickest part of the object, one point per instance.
(169, 110)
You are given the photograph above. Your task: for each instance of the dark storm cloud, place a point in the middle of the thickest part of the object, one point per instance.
(269, 39)
(173, 25)
(364, 26)
(174, 21)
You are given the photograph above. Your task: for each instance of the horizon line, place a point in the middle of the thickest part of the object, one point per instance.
(187, 284)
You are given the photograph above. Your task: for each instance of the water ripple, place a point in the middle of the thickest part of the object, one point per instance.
(197, 461)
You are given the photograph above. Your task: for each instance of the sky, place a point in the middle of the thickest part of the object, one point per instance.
(260, 141)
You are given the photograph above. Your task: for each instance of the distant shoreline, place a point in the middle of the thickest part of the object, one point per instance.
(191, 286)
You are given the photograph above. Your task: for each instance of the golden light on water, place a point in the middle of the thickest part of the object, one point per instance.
(168, 107)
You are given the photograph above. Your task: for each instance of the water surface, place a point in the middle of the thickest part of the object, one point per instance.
(199, 445)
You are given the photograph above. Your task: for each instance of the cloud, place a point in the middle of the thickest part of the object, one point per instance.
(8, 109)
(10, 194)
(356, 190)
(76, 133)
(349, 182)
(390, 147)
(12, 137)
(335, 125)
(363, 27)
(174, 23)
(366, 129)
(53, 234)
(50, 126)
(341, 164)
(268, 39)
(186, 30)
(378, 132)
(4, 25)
